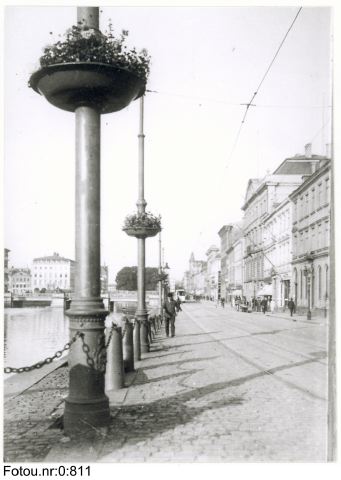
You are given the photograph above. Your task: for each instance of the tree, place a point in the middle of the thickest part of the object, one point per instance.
(126, 278)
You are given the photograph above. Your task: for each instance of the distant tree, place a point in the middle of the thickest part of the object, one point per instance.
(126, 278)
(152, 275)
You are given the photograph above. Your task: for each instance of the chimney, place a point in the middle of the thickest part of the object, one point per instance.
(307, 149)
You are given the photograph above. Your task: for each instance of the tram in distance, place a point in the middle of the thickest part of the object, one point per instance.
(181, 295)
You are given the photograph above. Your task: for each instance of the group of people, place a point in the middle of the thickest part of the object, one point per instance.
(264, 304)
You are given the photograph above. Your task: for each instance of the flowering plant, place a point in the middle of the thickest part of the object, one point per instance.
(85, 44)
(146, 220)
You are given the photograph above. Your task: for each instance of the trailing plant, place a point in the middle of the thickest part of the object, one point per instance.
(145, 220)
(84, 44)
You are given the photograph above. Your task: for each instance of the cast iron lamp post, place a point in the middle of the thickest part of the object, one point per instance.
(141, 231)
(88, 89)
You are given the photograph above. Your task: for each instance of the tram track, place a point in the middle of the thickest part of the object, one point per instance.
(261, 368)
(273, 345)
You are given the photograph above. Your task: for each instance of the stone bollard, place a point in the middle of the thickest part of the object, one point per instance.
(128, 346)
(150, 334)
(114, 375)
(137, 340)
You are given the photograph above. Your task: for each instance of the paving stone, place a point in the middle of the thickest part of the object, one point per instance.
(205, 395)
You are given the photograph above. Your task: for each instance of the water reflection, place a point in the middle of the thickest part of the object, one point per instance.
(32, 334)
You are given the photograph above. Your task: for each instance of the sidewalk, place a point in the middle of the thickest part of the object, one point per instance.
(192, 398)
(317, 320)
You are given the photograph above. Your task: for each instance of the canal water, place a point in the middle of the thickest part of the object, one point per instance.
(32, 334)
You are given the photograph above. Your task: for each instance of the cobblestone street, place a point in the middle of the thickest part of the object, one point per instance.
(229, 387)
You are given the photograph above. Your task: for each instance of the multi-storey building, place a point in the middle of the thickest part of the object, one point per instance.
(195, 279)
(230, 261)
(237, 276)
(6, 277)
(262, 197)
(213, 273)
(53, 273)
(278, 252)
(20, 281)
(224, 238)
(311, 240)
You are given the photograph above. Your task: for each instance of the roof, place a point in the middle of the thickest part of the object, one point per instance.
(269, 180)
(298, 164)
(55, 257)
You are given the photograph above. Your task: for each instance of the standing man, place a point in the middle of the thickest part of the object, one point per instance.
(178, 304)
(170, 310)
(264, 304)
(291, 305)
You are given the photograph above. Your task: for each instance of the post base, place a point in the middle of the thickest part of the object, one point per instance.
(144, 336)
(85, 417)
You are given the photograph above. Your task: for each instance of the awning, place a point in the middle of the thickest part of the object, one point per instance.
(265, 290)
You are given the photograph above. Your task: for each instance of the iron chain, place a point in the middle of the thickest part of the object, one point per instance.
(47, 360)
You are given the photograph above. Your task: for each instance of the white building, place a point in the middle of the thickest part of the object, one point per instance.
(19, 280)
(213, 273)
(278, 252)
(53, 273)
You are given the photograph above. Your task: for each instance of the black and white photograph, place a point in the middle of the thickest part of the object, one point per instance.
(168, 236)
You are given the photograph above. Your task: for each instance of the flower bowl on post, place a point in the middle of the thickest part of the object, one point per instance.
(142, 232)
(70, 85)
(93, 69)
(142, 225)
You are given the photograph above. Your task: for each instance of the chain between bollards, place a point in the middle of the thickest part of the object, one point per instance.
(47, 360)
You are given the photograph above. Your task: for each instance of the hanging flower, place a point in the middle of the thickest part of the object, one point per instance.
(145, 220)
(84, 44)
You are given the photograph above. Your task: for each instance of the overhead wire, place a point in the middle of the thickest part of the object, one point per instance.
(249, 104)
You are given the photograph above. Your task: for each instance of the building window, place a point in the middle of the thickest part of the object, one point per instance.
(327, 282)
(319, 195)
(313, 199)
(327, 190)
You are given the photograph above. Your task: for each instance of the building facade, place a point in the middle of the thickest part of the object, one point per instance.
(278, 252)
(53, 273)
(311, 240)
(213, 274)
(230, 261)
(20, 281)
(262, 198)
(6, 276)
(195, 278)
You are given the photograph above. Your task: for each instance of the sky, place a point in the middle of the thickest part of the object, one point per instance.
(206, 63)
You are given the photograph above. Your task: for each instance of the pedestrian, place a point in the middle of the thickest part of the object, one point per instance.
(170, 309)
(222, 300)
(291, 305)
(178, 304)
(264, 304)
